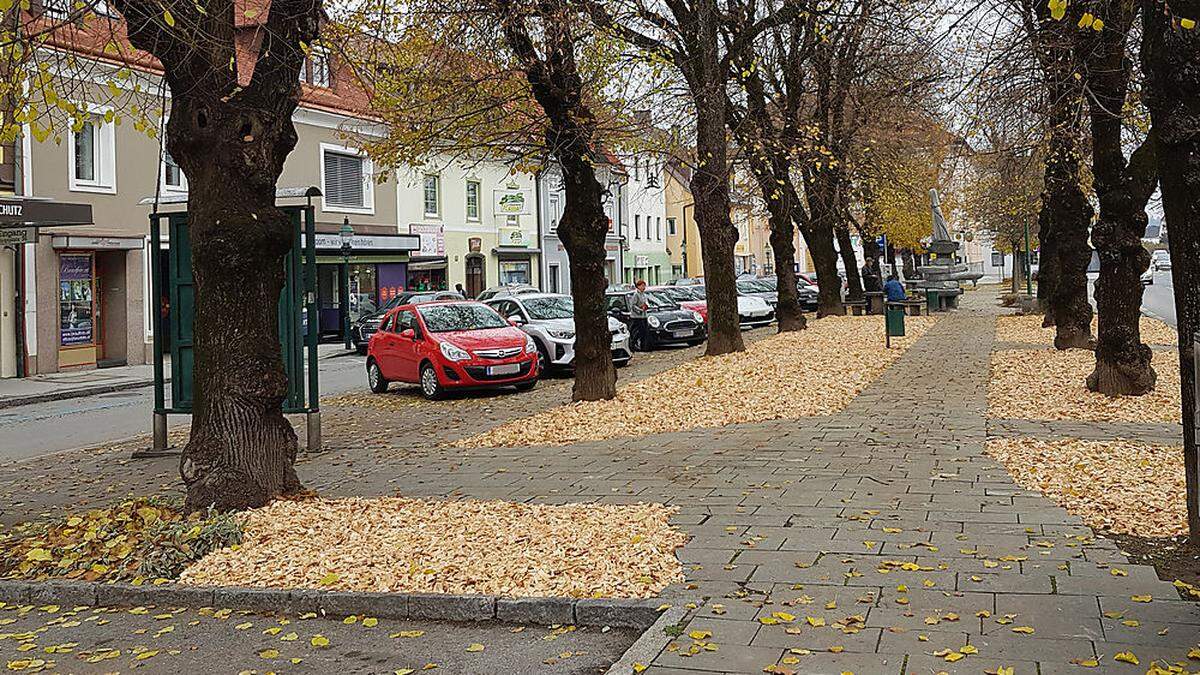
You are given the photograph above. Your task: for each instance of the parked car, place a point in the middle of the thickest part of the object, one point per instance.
(1148, 277)
(758, 289)
(688, 281)
(366, 325)
(807, 295)
(549, 318)
(668, 323)
(450, 345)
(688, 297)
(1160, 260)
(506, 290)
(752, 312)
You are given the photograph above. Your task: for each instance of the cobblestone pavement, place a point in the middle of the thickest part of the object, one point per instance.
(879, 540)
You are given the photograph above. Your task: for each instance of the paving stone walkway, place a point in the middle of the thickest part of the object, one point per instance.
(879, 540)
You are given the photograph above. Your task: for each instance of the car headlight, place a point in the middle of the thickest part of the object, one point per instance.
(562, 334)
(453, 352)
(653, 321)
(530, 345)
(696, 317)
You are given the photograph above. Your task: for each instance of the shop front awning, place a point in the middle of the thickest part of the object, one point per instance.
(21, 212)
(369, 244)
(424, 264)
(515, 251)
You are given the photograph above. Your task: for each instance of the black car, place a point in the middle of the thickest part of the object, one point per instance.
(668, 323)
(806, 294)
(366, 325)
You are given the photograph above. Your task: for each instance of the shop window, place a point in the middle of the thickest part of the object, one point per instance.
(433, 195)
(346, 180)
(472, 200)
(997, 259)
(172, 176)
(515, 272)
(76, 310)
(93, 153)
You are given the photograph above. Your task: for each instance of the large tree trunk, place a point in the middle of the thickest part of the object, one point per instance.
(854, 287)
(710, 193)
(1047, 279)
(1122, 360)
(242, 450)
(780, 196)
(1071, 215)
(583, 229)
(817, 227)
(1171, 63)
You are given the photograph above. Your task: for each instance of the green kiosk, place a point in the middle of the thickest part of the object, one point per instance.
(171, 264)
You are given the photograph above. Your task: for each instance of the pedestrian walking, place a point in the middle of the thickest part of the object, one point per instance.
(638, 328)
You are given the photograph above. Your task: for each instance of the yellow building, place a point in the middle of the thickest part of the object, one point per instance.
(683, 237)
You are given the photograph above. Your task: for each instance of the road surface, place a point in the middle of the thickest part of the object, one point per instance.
(54, 426)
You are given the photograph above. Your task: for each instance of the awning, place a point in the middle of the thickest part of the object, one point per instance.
(97, 242)
(418, 264)
(515, 251)
(280, 193)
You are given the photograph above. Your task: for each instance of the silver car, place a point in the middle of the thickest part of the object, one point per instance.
(549, 318)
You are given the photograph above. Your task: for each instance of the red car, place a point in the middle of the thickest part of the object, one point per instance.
(450, 345)
(688, 297)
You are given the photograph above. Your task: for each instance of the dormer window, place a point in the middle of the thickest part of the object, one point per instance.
(316, 69)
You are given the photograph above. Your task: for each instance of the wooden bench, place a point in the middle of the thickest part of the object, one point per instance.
(856, 307)
(911, 307)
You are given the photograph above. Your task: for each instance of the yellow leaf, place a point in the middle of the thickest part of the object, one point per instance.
(269, 653)
(1141, 598)
(319, 641)
(150, 653)
(475, 647)
(816, 621)
(1127, 657)
(243, 626)
(1187, 24)
(168, 18)
(700, 634)
(350, 619)
(639, 667)
(969, 649)
(954, 656)
(405, 671)
(370, 622)
(1086, 663)
(1098, 25)
(328, 579)
(1023, 629)
(784, 616)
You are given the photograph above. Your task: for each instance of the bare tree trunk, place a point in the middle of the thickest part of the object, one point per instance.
(710, 192)
(1071, 215)
(1047, 279)
(854, 287)
(817, 227)
(1122, 188)
(241, 450)
(1171, 63)
(781, 199)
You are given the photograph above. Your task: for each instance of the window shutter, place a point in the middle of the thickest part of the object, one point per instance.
(343, 179)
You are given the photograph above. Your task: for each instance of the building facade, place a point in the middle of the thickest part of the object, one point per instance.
(645, 233)
(683, 237)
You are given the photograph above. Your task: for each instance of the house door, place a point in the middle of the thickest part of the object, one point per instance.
(475, 276)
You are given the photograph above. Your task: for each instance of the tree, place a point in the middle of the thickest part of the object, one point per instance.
(231, 138)
(526, 84)
(688, 36)
(1170, 56)
(1123, 187)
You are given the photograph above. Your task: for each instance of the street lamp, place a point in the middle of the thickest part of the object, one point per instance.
(346, 233)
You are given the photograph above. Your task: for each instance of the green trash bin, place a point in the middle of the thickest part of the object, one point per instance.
(894, 319)
(931, 301)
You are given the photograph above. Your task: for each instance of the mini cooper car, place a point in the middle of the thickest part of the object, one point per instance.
(668, 323)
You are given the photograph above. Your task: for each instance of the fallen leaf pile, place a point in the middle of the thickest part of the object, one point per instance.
(817, 371)
(1047, 384)
(415, 545)
(1027, 328)
(1119, 486)
(144, 538)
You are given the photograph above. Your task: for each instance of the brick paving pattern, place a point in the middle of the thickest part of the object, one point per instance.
(878, 540)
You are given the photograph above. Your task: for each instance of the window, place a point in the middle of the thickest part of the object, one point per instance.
(671, 226)
(556, 212)
(320, 68)
(637, 226)
(93, 154)
(346, 180)
(472, 200)
(553, 280)
(658, 229)
(433, 196)
(172, 176)
(57, 9)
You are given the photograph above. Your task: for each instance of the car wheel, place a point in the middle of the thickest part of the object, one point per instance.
(375, 378)
(543, 359)
(621, 363)
(526, 386)
(431, 388)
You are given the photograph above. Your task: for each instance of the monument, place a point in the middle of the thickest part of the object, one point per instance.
(940, 279)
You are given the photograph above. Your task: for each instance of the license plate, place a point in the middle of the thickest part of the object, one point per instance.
(681, 333)
(505, 369)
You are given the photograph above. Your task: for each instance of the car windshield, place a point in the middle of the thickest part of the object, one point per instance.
(460, 316)
(748, 286)
(675, 293)
(555, 307)
(657, 300)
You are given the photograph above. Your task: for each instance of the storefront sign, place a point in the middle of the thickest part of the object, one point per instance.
(433, 239)
(75, 300)
(641, 261)
(370, 242)
(18, 235)
(105, 243)
(512, 202)
(43, 212)
(514, 236)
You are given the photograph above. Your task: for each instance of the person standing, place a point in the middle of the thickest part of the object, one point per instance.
(872, 279)
(638, 328)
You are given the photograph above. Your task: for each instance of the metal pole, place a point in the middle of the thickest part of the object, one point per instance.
(310, 339)
(159, 426)
(1028, 264)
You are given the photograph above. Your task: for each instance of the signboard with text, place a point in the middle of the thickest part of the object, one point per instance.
(433, 239)
(75, 300)
(512, 202)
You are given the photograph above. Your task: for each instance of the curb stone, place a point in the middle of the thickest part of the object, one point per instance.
(615, 612)
(649, 644)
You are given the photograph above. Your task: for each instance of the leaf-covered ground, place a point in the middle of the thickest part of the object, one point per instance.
(437, 546)
(145, 539)
(1047, 384)
(817, 371)
(1028, 329)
